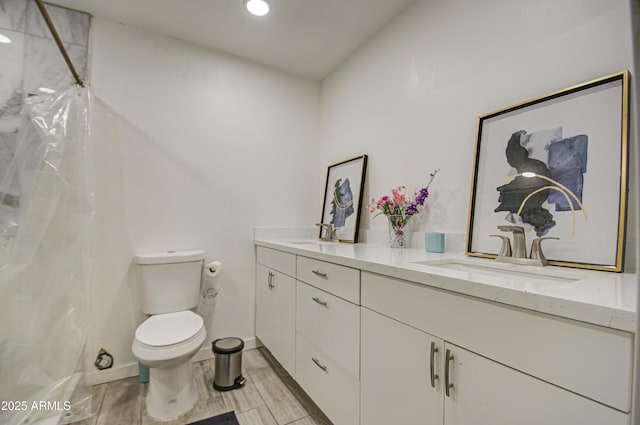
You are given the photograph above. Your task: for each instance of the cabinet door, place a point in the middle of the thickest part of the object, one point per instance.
(276, 314)
(395, 383)
(486, 392)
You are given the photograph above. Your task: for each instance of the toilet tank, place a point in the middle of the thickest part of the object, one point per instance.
(169, 281)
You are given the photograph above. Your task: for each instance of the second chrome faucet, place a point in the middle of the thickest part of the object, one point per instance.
(329, 232)
(518, 255)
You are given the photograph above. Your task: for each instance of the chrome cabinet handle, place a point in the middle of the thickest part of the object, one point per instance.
(270, 281)
(434, 376)
(320, 301)
(320, 365)
(319, 273)
(448, 386)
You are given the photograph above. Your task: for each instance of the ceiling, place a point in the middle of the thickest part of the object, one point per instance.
(305, 37)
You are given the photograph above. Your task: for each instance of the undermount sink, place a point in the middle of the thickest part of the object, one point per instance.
(506, 271)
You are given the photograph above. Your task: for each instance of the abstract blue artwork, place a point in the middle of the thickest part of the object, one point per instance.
(342, 203)
(563, 160)
(556, 166)
(343, 198)
(568, 164)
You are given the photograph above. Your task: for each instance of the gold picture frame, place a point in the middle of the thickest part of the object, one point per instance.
(574, 143)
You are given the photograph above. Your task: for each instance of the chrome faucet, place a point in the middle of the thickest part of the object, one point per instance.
(519, 253)
(536, 250)
(329, 231)
(519, 243)
(505, 250)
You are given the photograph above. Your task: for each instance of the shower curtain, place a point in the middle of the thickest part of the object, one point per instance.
(46, 209)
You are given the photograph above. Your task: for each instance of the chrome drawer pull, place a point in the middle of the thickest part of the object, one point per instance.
(434, 376)
(320, 301)
(448, 386)
(320, 365)
(270, 281)
(319, 273)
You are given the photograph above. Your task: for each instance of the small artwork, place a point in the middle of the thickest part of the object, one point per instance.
(343, 198)
(557, 166)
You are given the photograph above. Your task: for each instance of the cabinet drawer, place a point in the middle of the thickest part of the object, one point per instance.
(330, 386)
(590, 360)
(338, 280)
(277, 260)
(330, 323)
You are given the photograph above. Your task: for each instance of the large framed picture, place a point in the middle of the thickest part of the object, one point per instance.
(557, 166)
(343, 198)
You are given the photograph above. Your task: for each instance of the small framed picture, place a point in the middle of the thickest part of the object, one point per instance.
(343, 198)
(557, 166)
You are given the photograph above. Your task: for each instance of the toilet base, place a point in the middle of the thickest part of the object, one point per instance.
(172, 392)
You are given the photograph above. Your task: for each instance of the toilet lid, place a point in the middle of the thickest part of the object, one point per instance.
(169, 328)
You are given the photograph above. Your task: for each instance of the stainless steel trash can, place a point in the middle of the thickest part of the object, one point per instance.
(228, 363)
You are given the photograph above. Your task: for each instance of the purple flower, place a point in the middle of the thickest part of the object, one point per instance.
(411, 210)
(421, 197)
(397, 206)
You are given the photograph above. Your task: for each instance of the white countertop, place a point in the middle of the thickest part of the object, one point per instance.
(601, 298)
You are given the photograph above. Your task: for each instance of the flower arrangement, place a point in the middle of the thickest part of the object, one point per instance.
(399, 208)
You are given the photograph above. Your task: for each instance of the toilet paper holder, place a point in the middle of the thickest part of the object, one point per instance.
(209, 289)
(210, 294)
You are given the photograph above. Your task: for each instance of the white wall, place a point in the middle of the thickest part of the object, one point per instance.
(183, 164)
(410, 96)
(194, 149)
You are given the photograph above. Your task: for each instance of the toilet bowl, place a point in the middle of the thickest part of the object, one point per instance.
(166, 343)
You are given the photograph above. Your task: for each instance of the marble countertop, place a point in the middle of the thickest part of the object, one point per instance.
(600, 298)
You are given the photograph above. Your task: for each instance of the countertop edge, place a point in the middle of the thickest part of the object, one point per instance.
(398, 264)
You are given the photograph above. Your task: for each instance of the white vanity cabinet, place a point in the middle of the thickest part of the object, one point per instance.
(371, 349)
(516, 366)
(275, 304)
(328, 337)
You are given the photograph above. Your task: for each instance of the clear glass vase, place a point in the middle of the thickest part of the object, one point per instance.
(398, 234)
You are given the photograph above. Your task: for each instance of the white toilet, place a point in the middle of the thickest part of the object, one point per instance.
(169, 284)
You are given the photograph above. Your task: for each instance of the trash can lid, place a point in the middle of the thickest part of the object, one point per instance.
(227, 345)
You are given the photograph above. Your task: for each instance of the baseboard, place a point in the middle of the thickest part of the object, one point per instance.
(131, 369)
(112, 374)
(206, 353)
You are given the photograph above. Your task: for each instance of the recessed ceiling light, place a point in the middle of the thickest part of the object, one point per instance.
(257, 7)
(4, 39)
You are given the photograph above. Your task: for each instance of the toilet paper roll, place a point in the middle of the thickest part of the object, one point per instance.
(213, 268)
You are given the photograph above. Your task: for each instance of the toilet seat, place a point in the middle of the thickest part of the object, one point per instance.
(169, 330)
(165, 340)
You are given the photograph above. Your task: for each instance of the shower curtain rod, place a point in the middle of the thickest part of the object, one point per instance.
(58, 41)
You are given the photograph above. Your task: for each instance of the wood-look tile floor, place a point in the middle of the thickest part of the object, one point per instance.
(270, 397)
